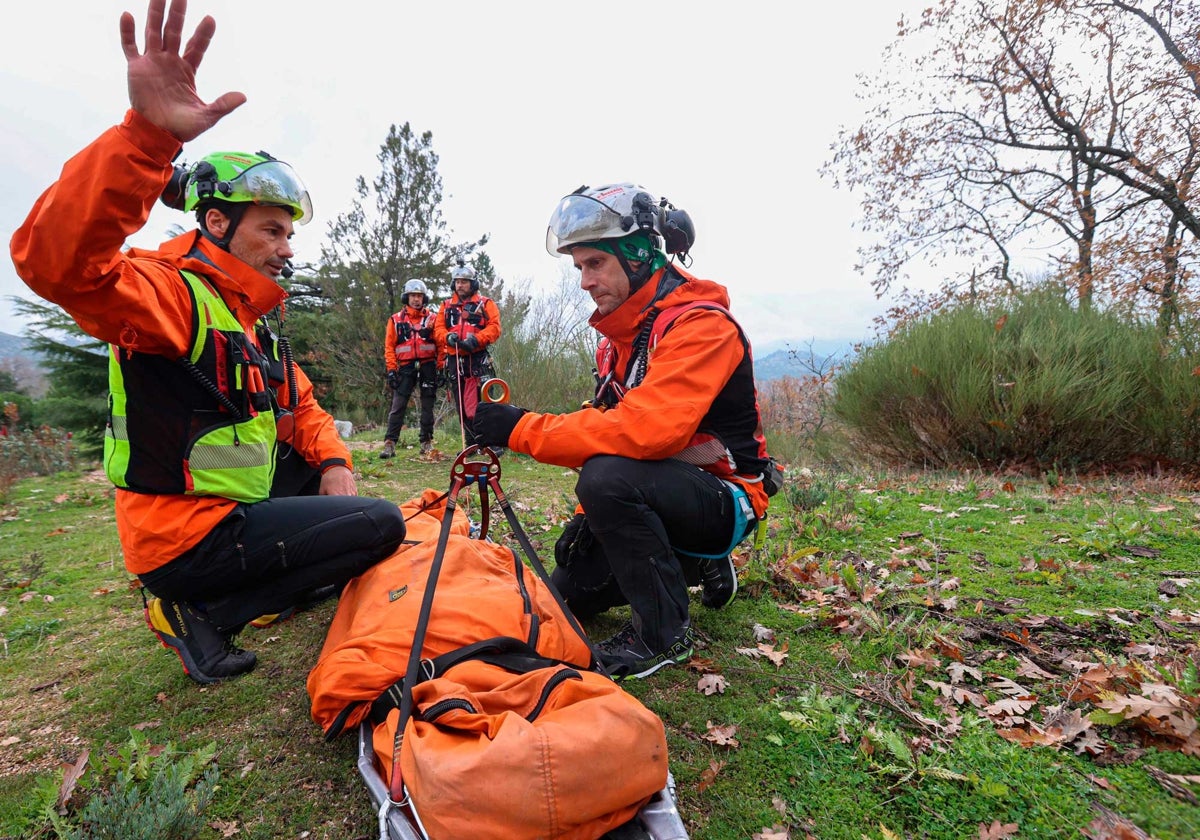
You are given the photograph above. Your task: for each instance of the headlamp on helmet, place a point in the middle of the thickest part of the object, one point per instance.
(462, 271)
(591, 214)
(238, 178)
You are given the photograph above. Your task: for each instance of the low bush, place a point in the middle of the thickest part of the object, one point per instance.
(29, 452)
(1032, 380)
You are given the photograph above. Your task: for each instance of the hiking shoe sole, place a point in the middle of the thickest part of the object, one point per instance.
(623, 663)
(655, 665)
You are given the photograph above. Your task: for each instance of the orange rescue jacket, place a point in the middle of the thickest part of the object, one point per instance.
(464, 313)
(68, 251)
(692, 363)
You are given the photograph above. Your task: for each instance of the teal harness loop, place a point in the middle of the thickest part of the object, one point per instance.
(744, 522)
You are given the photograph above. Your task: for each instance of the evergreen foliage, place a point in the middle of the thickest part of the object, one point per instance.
(157, 793)
(77, 369)
(394, 232)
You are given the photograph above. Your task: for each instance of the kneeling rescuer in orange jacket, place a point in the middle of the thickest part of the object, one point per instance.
(235, 495)
(670, 451)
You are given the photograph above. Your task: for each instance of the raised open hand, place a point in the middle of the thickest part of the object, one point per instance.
(162, 83)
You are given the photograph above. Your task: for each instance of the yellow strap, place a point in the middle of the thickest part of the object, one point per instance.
(760, 533)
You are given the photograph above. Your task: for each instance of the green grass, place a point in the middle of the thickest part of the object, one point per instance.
(879, 585)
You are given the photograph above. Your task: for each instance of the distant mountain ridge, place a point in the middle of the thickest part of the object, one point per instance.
(799, 360)
(14, 345)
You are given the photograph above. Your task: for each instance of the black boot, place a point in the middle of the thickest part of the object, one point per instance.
(207, 655)
(718, 578)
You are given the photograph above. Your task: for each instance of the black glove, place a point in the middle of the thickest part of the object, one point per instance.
(471, 343)
(425, 333)
(494, 423)
(575, 542)
(393, 379)
(452, 339)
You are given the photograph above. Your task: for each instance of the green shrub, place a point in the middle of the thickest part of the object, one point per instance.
(1031, 381)
(548, 348)
(157, 792)
(16, 410)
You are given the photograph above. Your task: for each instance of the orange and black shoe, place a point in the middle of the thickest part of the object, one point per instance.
(206, 654)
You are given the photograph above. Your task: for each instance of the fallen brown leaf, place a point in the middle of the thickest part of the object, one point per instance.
(775, 832)
(228, 828)
(996, 831)
(71, 774)
(763, 634)
(721, 735)
(1110, 825)
(1175, 785)
(709, 776)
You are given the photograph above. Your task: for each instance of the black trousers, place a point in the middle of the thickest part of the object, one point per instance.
(638, 510)
(424, 375)
(262, 557)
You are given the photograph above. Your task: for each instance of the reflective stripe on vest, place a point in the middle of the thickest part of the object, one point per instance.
(227, 454)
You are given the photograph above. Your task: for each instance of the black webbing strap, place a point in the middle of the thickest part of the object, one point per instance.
(505, 652)
(540, 569)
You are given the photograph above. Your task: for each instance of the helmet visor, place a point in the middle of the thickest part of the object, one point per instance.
(272, 182)
(581, 218)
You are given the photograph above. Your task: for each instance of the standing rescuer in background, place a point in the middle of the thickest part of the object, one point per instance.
(674, 470)
(236, 497)
(410, 353)
(467, 324)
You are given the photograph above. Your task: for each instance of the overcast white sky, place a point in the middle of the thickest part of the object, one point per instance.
(726, 109)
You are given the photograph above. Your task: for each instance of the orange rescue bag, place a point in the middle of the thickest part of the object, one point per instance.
(519, 740)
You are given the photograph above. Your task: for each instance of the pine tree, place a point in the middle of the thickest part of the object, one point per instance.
(77, 368)
(394, 232)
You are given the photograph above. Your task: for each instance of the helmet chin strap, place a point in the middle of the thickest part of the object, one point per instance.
(638, 278)
(233, 212)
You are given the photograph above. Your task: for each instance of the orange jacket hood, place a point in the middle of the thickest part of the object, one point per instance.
(623, 323)
(237, 280)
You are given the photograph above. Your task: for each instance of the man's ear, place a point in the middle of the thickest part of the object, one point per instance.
(216, 222)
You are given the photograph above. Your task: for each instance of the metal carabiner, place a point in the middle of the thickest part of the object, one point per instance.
(482, 471)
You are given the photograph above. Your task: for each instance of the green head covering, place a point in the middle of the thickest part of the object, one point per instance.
(635, 247)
